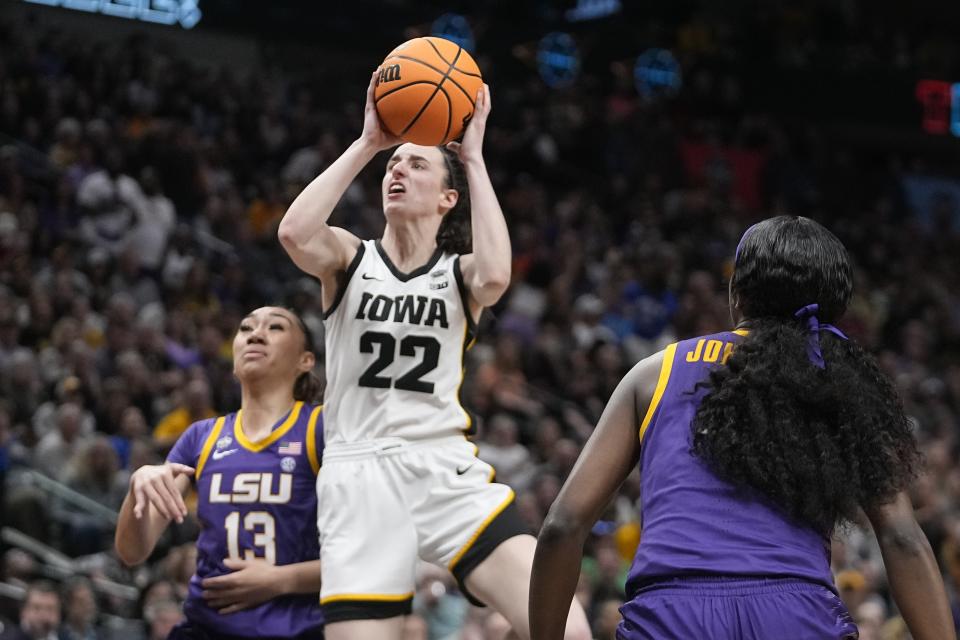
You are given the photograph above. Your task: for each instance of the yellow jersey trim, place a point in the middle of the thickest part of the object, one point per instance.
(483, 527)
(668, 355)
(367, 597)
(312, 440)
(208, 445)
(275, 435)
(741, 332)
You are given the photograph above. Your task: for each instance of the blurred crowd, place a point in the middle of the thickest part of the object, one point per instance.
(139, 200)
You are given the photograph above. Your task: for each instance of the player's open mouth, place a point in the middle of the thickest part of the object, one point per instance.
(396, 188)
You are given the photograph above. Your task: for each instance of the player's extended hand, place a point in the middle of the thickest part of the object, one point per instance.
(470, 149)
(154, 484)
(374, 133)
(250, 583)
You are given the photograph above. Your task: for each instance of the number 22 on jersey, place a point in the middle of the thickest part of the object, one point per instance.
(386, 345)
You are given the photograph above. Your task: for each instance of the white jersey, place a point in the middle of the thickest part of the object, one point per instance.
(394, 350)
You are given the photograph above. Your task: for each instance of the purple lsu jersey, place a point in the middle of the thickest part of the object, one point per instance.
(255, 500)
(693, 522)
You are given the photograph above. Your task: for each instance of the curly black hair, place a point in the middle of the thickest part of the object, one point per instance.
(819, 442)
(454, 235)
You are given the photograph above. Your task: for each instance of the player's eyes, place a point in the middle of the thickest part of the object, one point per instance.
(277, 327)
(244, 327)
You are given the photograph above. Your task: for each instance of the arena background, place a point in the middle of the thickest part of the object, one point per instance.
(144, 167)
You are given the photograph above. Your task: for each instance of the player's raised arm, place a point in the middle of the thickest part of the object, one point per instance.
(912, 569)
(609, 455)
(155, 497)
(486, 271)
(312, 244)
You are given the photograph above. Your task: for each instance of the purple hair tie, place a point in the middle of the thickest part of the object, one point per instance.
(808, 315)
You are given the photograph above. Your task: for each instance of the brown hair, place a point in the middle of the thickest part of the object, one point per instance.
(307, 387)
(454, 235)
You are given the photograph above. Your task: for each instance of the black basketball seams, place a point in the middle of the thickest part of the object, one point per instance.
(440, 55)
(472, 99)
(395, 89)
(449, 112)
(432, 95)
(452, 64)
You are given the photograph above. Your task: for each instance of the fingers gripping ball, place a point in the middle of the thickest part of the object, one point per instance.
(426, 89)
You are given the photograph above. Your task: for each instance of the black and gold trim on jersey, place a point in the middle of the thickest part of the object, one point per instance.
(471, 338)
(400, 275)
(348, 274)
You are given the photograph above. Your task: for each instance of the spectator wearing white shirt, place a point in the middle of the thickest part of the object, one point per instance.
(503, 451)
(61, 444)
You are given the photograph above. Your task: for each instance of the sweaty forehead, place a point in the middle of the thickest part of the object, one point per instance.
(432, 154)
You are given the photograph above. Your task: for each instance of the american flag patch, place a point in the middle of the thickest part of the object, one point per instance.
(290, 448)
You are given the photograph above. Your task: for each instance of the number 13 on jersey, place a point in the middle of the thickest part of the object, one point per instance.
(264, 530)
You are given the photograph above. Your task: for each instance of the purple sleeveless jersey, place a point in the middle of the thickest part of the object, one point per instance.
(256, 499)
(693, 522)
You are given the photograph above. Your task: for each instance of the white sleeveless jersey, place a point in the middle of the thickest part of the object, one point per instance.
(394, 350)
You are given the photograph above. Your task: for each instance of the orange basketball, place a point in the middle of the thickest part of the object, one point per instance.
(426, 90)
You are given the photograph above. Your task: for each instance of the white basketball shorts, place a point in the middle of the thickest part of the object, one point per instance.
(383, 503)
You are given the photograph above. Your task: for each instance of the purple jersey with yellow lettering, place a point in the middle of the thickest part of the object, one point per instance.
(694, 523)
(255, 499)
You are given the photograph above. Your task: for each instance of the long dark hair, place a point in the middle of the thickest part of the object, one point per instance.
(454, 234)
(307, 387)
(818, 442)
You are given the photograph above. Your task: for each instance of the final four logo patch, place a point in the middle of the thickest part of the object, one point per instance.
(439, 284)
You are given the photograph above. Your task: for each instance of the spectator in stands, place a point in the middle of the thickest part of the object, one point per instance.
(62, 444)
(502, 450)
(80, 611)
(196, 406)
(162, 617)
(39, 616)
(94, 473)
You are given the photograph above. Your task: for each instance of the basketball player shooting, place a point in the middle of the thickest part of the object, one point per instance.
(401, 479)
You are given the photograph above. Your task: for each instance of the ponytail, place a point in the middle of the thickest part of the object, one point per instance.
(454, 235)
(819, 442)
(308, 388)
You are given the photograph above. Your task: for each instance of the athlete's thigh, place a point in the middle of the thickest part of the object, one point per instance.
(502, 580)
(460, 514)
(389, 629)
(368, 545)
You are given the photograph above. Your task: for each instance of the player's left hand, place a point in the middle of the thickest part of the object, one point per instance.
(470, 149)
(251, 582)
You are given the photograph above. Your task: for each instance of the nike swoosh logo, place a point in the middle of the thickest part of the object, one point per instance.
(223, 454)
(460, 471)
(367, 276)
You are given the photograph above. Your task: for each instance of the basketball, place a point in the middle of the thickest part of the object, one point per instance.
(426, 89)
